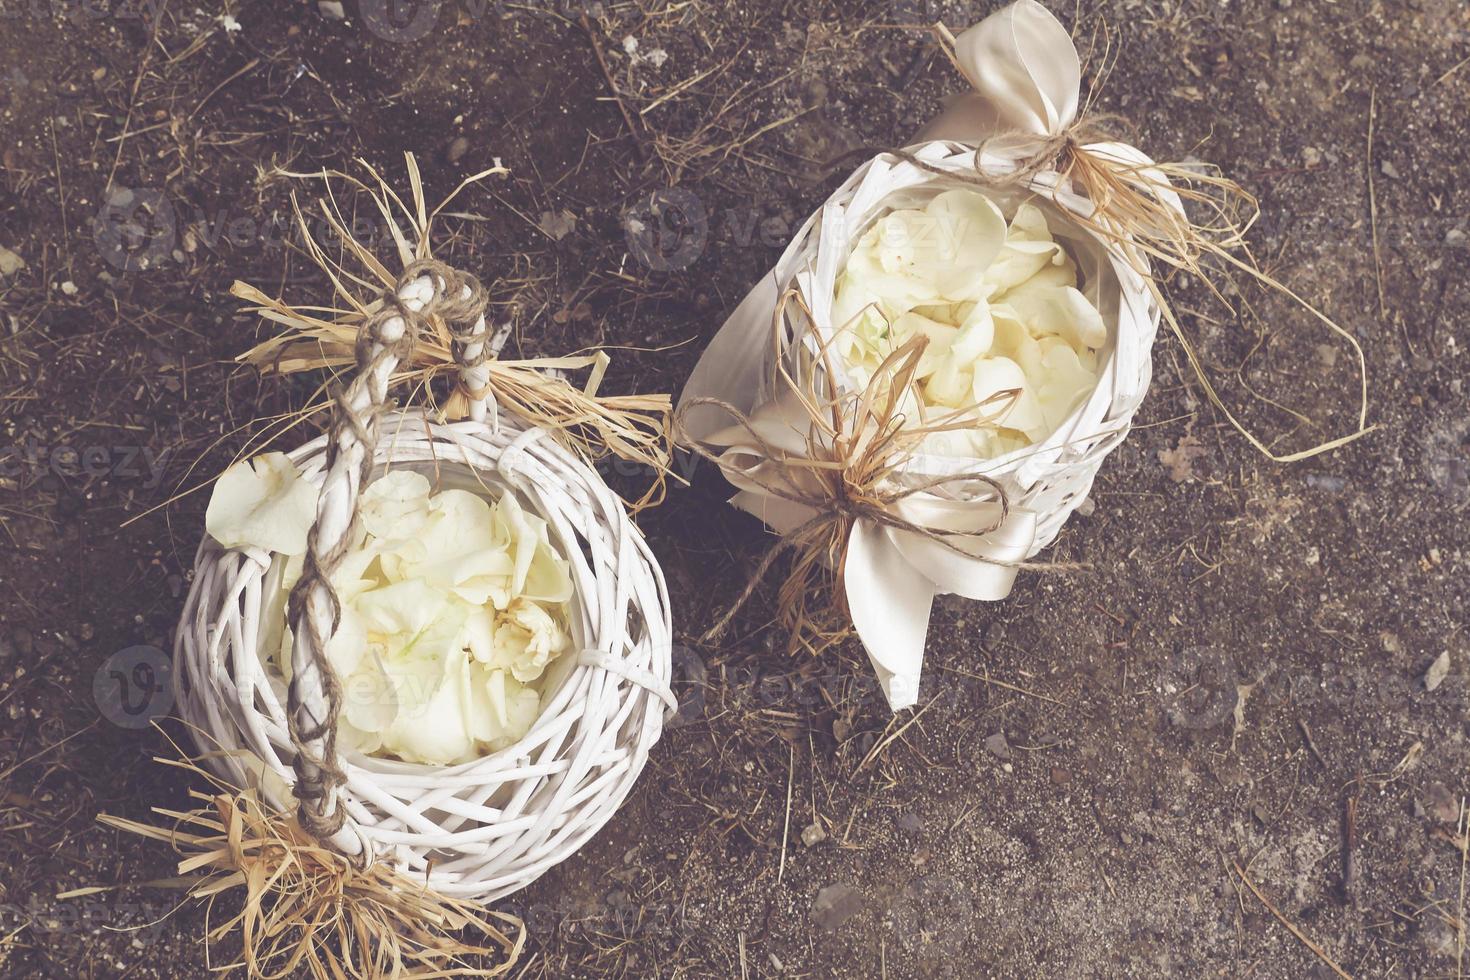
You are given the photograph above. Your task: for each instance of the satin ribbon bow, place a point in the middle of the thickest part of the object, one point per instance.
(1026, 77)
(905, 543)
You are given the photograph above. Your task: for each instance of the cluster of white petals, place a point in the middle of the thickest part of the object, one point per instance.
(1000, 305)
(453, 608)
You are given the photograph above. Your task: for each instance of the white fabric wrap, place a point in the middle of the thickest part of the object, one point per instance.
(1026, 77)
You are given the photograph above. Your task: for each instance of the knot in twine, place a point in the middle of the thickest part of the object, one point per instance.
(385, 339)
(1057, 152)
(854, 445)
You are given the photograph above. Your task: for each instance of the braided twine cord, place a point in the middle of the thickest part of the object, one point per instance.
(315, 694)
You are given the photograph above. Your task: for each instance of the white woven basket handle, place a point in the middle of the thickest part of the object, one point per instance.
(315, 696)
(473, 349)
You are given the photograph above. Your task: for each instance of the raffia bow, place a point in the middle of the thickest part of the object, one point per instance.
(1025, 117)
(317, 339)
(827, 471)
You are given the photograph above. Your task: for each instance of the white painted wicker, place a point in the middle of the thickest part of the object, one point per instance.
(482, 829)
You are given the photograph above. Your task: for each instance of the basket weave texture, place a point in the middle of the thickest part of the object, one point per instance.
(481, 829)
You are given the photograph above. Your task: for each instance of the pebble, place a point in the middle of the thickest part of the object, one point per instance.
(331, 9)
(456, 149)
(10, 263)
(1389, 170)
(813, 835)
(997, 746)
(836, 904)
(995, 635)
(1327, 482)
(1442, 805)
(1437, 672)
(911, 822)
(1311, 157)
(1439, 938)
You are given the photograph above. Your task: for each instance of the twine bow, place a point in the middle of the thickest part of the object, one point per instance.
(827, 471)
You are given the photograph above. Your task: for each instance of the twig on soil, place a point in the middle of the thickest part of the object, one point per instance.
(61, 197)
(612, 86)
(1445, 77)
(1349, 850)
(1002, 684)
(1312, 743)
(50, 748)
(786, 827)
(1303, 937)
(878, 748)
(249, 67)
(143, 64)
(1464, 829)
(1373, 203)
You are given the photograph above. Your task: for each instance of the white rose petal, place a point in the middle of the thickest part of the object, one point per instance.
(1065, 382)
(1029, 248)
(1062, 312)
(526, 638)
(350, 738)
(996, 375)
(428, 670)
(512, 707)
(452, 609)
(462, 551)
(522, 705)
(369, 697)
(537, 573)
(396, 505)
(262, 503)
(431, 728)
(993, 297)
(402, 608)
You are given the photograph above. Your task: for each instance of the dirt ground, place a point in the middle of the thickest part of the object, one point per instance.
(1209, 752)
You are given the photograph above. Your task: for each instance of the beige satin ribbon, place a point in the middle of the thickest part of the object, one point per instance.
(952, 534)
(1026, 77)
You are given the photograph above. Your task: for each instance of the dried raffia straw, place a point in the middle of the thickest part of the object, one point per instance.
(322, 338)
(307, 908)
(855, 448)
(1133, 208)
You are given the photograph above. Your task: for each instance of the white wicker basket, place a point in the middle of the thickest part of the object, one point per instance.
(482, 829)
